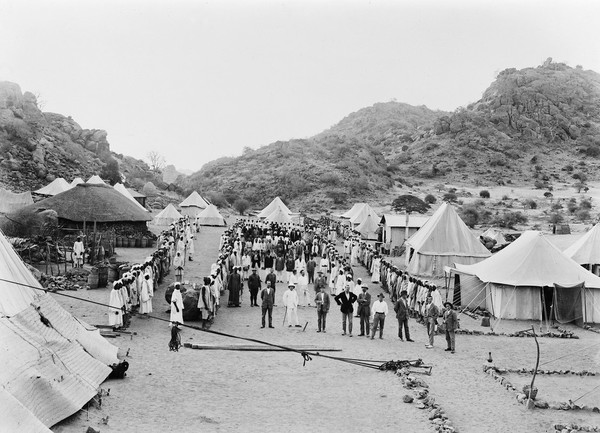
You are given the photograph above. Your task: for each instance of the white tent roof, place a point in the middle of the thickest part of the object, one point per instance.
(194, 199)
(445, 234)
(368, 228)
(95, 179)
(277, 203)
(586, 250)
(48, 372)
(57, 186)
(399, 220)
(121, 188)
(362, 214)
(167, 216)
(495, 234)
(531, 260)
(353, 211)
(210, 217)
(11, 202)
(279, 216)
(76, 181)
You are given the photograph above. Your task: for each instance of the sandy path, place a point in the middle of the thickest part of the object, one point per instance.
(226, 391)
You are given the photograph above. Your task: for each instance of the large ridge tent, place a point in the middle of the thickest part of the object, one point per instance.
(368, 229)
(167, 216)
(92, 202)
(394, 228)
(444, 240)
(530, 279)
(277, 203)
(586, 250)
(12, 202)
(210, 217)
(121, 188)
(48, 372)
(193, 205)
(57, 186)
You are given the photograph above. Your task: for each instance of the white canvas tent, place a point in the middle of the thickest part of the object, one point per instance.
(210, 217)
(11, 202)
(277, 203)
(167, 216)
(361, 214)
(394, 228)
(121, 188)
(495, 234)
(95, 179)
(353, 211)
(279, 216)
(48, 372)
(193, 205)
(57, 186)
(76, 181)
(511, 283)
(586, 250)
(444, 240)
(368, 229)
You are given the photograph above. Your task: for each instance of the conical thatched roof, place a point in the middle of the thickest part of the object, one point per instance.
(91, 202)
(57, 186)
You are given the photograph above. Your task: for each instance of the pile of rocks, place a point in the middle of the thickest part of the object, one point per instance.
(563, 333)
(569, 428)
(75, 279)
(590, 328)
(546, 372)
(420, 392)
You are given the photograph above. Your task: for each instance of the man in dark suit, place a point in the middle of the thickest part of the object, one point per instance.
(451, 324)
(268, 300)
(364, 310)
(345, 300)
(322, 302)
(321, 281)
(254, 285)
(401, 309)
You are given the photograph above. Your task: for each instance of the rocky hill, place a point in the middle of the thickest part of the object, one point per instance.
(533, 126)
(37, 147)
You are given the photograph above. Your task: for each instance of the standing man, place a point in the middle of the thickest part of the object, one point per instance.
(254, 285)
(303, 288)
(431, 314)
(235, 288)
(310, 269)
(451, 323)
(78, 250)
(380, 310)
(364, 310)
(321, 281)
(322, 302)
(268, 300)
(401, 309)
(345, 301)
(290, 301)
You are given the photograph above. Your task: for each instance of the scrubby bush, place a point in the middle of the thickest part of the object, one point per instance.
(585, 204)
(430, 198)
(217, 199)
(572, 207)
(582, 215)
(505, 197)
(484, 194)
(509, 219)
(556, 206)
(555, 218)
(470, 216)
(330, 179)
(530, 204)
(450, 197)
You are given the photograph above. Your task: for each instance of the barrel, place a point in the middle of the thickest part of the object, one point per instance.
(131, 242)
(143, 242)
(119, 242)
(113, 273)
(102, 276)
(138, 243)
(93, 281)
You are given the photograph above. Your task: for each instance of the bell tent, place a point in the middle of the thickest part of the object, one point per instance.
(57, 186)
(369, 228)
(277, 203)
(363, 213)
(210, 217)
(96, 180)
(193, 205)
(279, 216)
(167, 216)
(444, 240)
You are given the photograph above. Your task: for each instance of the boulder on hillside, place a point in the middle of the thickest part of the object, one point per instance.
(10, 95)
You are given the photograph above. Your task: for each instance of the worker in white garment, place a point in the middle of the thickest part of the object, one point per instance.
(379, 310)
(176, 306)
(78, 250)
(290, 301)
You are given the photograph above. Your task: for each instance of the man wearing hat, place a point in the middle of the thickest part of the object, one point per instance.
(290, 301)
(254, 284)
(451, 324)
(322, 303)
(234, 285)
(379, 311)
(345, 301)
(321, 281)
(268, 300)
(364, 310)
(401, 309)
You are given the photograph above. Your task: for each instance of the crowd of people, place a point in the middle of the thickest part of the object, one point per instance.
(259, 255)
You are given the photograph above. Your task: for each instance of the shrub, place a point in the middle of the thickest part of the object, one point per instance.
(531, 204)
(330, 179)
(429, 198)
(539, 184)
(470, 216)
(509, 219)
(582, 215)
(548, 194)
(505, 197)
(555, 218)
(484, 194)
(217, 198)
(450, 197)
(585, 204)
(556, 206)
(571, 207)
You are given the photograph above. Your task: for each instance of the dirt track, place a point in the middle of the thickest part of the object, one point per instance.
(227, 391)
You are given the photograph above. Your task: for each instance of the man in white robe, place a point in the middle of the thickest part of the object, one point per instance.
(176, 306)
(290, 301)
(78, 250)
(115, 309)
(303, 288)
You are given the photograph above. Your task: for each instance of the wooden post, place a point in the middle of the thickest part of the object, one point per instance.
(93, 254)
(84, 244)
(537, 364)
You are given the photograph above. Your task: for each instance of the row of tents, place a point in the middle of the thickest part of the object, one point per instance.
(525, 280)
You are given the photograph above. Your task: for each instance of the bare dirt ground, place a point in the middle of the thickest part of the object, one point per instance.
(228, 391)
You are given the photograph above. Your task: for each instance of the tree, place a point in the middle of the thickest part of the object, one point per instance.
(470, 216)
(241, 205)
(555, 218)
(440, 187)
(450, 197)
(110, 172)
(484, 194)
(409, 204)
(548, 195)
(157, 161)
(430, 199)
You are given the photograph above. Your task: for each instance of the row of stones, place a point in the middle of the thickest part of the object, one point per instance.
(437, 416)
(590, 328)
(522, 398)
(517, 334)
(572, 428)
(546, 372)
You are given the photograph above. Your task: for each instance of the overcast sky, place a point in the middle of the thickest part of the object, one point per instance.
(197, 80)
